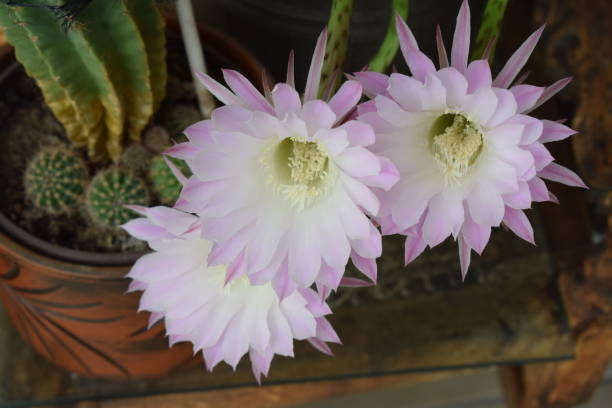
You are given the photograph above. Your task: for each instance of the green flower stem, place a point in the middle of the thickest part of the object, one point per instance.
(337, 43)
(390, 44)
(489, 28)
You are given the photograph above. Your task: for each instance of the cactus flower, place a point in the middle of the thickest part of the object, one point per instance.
(224, 318)
(284, 184)
(469, 155)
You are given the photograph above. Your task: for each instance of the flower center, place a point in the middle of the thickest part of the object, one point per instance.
(307, 161)
(455, 143)
(299, 170)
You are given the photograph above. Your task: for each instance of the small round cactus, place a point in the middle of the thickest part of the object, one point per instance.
(179, 118)
(136, 158)
(163, 181)
(55, 180)
(110, 191)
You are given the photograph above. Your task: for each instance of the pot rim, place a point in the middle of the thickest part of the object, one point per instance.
(33, 249)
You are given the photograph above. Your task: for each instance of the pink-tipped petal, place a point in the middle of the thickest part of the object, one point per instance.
(551, 91)
(465, 254)
(367, 266)
(349, 282)
(560, 174)
(373, 83)
(326, 332)
(359, 133)
(286, 100)
(538, 190)
(176, 172)
(526, 96)
(420, 65)
(291, 69)
(456, 86)
(478, 75)
(475, 235)
(314, 73)
(246, 91)
(200, 133)
(405, 36)
(182, 151)
(554, 131)
(442, 55)
(345, 99)
(486, 206)
(359, 162)
(388, 176)
(219, 91)
(518, 223)
(517, 61)
(541, 155)
(414, 246)
(321, 346)
(461, 39)
(553, 198)
(406, 91)
(142, 228)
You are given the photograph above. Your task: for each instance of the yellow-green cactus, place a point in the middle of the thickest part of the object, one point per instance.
(104, 77)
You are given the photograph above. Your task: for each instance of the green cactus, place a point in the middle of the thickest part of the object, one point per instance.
(104, 77)
(163, 181)
(108, 194)
(55, 179)
(180, 117)
(136, 158)
(337, 43)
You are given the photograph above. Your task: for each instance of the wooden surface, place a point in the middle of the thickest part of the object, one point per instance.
(279, 396)
(578, 42)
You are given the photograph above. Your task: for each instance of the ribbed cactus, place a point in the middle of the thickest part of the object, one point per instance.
(55, 180)
(164, 182)
(337, 43)
(108, 194)
(104, 77)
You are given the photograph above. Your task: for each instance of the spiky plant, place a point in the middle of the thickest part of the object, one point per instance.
(108, 194)
(55, 180)
(100, 65)
(164, 182)
(179, 117)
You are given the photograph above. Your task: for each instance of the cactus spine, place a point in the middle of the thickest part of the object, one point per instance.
(104, 77)
(108, 194)
(55, 179)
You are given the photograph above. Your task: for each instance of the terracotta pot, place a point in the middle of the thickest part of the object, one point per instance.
(70, 305)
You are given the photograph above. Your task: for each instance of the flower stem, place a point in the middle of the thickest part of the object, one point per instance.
(390, 44)
(195, 55)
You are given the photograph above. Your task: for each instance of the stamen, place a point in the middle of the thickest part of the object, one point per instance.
(307, 162)
(301, 171)
(456, 143)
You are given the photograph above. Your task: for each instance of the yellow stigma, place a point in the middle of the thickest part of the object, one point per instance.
(299, 170)
(455, 143)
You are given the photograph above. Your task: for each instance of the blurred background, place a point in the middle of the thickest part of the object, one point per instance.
(530, 327)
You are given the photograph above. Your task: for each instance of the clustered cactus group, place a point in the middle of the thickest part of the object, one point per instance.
(57, 181)
(101, 66)
(104, 77)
